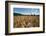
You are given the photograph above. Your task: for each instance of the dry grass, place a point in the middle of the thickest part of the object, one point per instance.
(26, 21)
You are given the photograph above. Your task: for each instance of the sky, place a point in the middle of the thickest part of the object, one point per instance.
(27, 11)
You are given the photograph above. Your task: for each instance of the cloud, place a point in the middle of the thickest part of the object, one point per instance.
(27, 11)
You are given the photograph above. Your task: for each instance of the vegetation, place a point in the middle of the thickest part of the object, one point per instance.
(26, 21)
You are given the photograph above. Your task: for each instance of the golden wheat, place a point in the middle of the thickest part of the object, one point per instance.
(26, 21)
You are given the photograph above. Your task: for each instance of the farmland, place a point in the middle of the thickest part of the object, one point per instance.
(26, 21)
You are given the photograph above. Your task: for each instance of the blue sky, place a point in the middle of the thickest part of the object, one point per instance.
(27, 11)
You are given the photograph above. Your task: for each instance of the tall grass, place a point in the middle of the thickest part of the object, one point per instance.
(26, 21)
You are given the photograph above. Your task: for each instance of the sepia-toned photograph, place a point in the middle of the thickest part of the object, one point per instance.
(26, 17)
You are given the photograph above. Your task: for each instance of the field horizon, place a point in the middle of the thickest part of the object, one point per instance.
(16, 14)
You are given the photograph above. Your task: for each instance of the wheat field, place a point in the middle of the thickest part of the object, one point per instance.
(26, 21)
